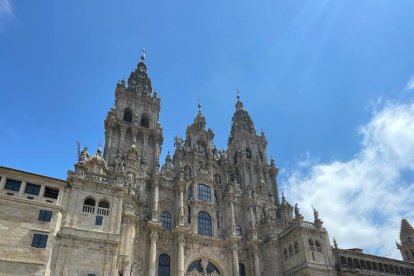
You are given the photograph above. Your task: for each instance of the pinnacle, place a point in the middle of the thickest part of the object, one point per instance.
(406, 229)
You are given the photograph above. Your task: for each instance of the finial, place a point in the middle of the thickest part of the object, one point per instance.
(199, 107)
(335, 243)
(143, 54)
(239, 104)
(283, 196)
(99, 150)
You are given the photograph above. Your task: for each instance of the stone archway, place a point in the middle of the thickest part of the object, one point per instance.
(204, 265)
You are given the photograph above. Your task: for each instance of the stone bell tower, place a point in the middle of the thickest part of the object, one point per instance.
(248, 156)
(134, 120)
(406, 246)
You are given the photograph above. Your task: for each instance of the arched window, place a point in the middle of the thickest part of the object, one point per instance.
(166, 220)
(235, 158)
(311, 245)
(248, 153)
(238, 230)
(285, 254)
(196, 266)
(217, 178)
(187, 172)
(204, 224)
(103, 207)
(296, 247)
(89, 205)
(189, 214)
(343, 260)
(164, 265)
(190, 192)
(145, 120)
(242, 269)
(204, 192)
(318, 246)
(290, 250)
(350, 262)
(128, 115)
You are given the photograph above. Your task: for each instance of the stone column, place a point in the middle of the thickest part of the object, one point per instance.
(128, 232)
(235, 260)
(42, 191)
(2, 182)
(181, 241)
(255, 250)
(108, 144)
(181, 207)
(253, 222)
(155, 200)
(157, 150)
(22, 188)
(145, 145)
(233, 222)
(153, 253)
(122, 139)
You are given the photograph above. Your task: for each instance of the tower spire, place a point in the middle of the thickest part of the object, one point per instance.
(143, 54)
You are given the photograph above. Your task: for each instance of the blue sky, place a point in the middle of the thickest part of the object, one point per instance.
(314, 75)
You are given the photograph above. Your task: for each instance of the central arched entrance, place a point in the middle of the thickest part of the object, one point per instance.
(203, 266)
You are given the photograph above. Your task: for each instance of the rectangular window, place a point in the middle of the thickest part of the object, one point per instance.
(13, 185)
(204, 192)
(45, 215)
(32, 189)
(98, 220)
(91, 274)
(51, 192)
(39, 241)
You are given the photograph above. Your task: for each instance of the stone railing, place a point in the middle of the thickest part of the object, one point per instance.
(88, 209)
(103, 211)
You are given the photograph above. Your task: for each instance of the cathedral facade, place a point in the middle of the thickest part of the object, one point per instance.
(204, 211)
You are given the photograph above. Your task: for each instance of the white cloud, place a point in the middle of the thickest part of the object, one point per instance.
(362, 200)
(410, 84)
(5, 8)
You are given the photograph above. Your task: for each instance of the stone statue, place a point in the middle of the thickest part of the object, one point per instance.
(297, 213)
(315, 214)
(84, 155)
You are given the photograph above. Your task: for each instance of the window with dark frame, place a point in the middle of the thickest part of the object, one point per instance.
(238, 230)
(164, 265)
(145, 120)
(12, 185)
(99, 220)
(128, 115)
(45, 215)
(166, 220)
(32, 189)
(39, 241)
(204, 192)
(51, 192)
(204, 224)
(242, 269)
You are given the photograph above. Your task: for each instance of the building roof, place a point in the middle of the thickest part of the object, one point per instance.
(34, 174)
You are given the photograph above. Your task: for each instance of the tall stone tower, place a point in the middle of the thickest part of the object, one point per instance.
(407, 241)
(134, 120)
(248, 153)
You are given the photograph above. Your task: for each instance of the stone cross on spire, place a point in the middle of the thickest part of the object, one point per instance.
(143, 54)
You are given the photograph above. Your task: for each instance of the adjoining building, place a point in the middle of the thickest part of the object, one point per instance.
(205, 211)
